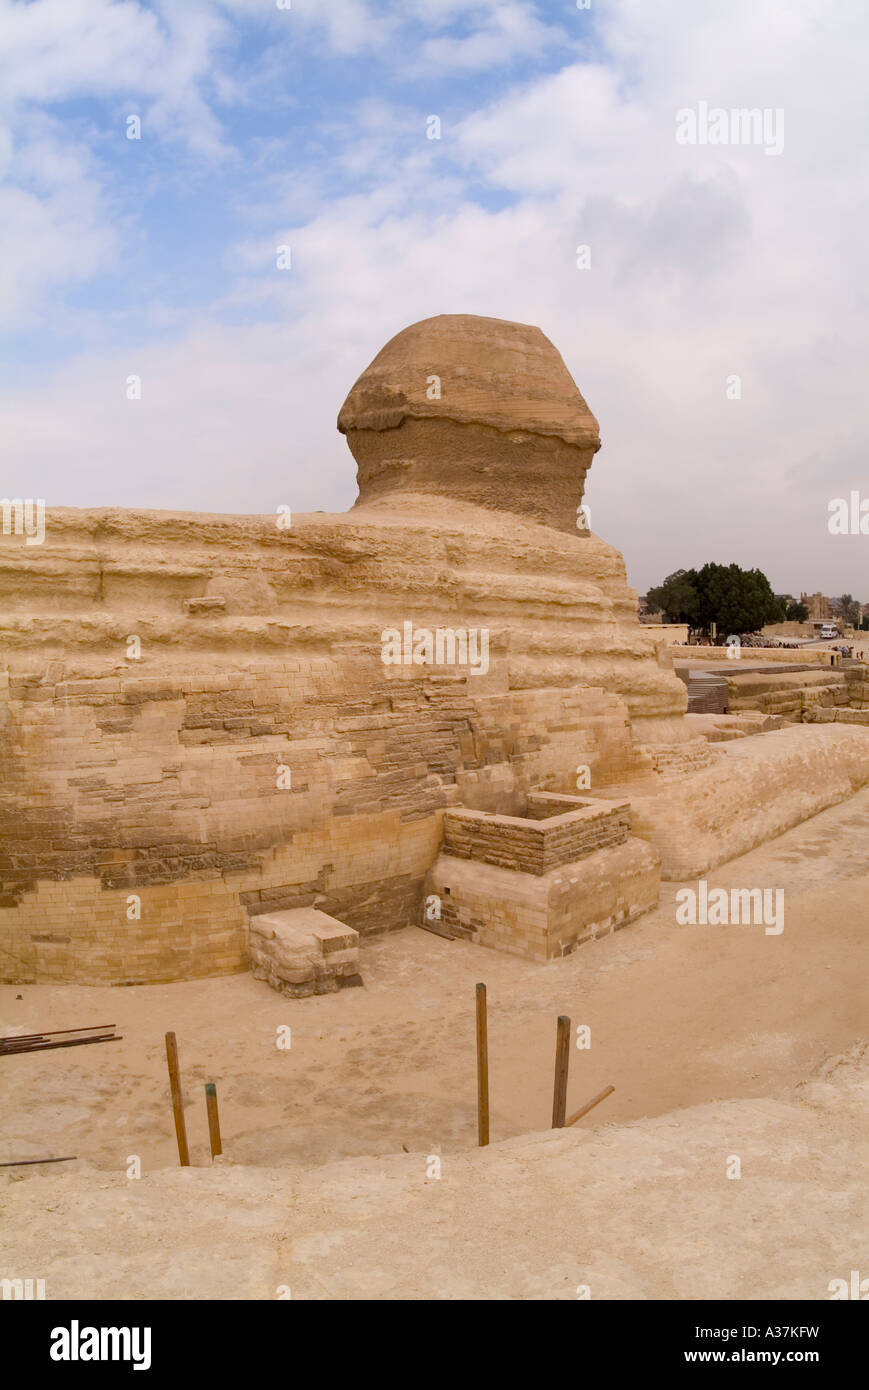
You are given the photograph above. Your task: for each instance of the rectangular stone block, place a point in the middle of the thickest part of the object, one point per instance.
(303, 949)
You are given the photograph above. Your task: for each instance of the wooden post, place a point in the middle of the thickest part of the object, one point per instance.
(482, 1068)
(562, 1061)
(589, 1105)
(177, 1107)
(213, 1121)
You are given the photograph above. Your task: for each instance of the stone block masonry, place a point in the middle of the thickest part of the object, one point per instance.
(545, 916)
(304, 952)
(141, 820)
(758, 787)
(799, 694)
(541, 884)
(689, 756)
(534, 846)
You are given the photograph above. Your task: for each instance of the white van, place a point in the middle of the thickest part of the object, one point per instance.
(828, 630)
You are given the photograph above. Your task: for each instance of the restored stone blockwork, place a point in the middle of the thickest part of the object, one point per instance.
(539, 885)
(801, 695)
(535, 845)
(167, 787)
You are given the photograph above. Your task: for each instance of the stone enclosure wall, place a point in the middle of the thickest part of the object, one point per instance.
(798, 694)
(545, 916)
(534, 846)
(541, 884)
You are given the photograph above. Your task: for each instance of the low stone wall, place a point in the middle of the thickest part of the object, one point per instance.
(723, 728)
(759, 787)
(794, 694)
(672, 634)
(545, 916)
(535, 846)
(681, 757)
(836, 715)
(543, 805)
(804, 656)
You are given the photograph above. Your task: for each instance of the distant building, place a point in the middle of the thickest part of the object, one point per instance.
(643, 611)
(818, 606)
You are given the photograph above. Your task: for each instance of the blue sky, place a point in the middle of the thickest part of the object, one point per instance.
(268, 128)
(307, 127)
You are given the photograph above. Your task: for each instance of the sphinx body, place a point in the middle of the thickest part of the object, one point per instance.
(251, 751)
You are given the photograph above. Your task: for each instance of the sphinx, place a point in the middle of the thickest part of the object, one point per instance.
(252, 754)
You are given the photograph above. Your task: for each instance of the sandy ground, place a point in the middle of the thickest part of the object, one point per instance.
(679, 1017)
(645, 1210)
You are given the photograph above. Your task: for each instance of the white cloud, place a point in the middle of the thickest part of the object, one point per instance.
(705, 263)
(507, 30)
(56, 230)
(346, 26)
(59, 226)
(53, 49)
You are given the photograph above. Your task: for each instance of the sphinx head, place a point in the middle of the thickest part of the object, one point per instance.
(479, 409)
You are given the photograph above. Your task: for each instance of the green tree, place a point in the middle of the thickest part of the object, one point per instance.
(676, 598)
(735, 600)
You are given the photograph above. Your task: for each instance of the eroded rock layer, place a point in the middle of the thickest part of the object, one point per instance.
(473, 408)
(205, 719)
(151, 785)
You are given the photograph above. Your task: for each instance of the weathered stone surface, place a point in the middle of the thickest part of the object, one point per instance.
(303, 952)
(164, 785)
(647, 1196)
(474, 408)
(256, 754)
(542, 916)
(759, 787)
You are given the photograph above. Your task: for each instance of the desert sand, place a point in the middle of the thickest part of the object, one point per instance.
(720, 1041)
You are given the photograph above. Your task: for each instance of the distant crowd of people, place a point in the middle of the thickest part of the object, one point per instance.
(757, 639)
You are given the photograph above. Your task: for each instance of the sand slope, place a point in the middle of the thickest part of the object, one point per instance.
(634, 1211)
